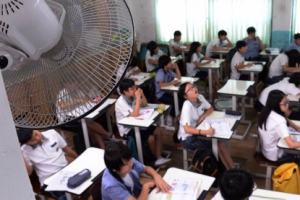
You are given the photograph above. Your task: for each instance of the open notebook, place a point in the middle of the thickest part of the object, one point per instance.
(295, 135)
(220, 125)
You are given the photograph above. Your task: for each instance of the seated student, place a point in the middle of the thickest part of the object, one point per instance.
(43, 152)
(238, 62)
(218, 44)
(195, 109)
(254, 46)
(295, 44)
(132, 69)
(272, 125)
(235, 184)
(165, 77)
(121, 177)
(129, 104)
(175, 44)
(285, 62)
(152, 55)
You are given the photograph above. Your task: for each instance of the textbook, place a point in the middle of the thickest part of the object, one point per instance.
(183, 189)
(220, 125)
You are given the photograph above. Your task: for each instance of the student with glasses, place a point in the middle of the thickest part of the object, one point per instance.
(273, 125)
(195, 109)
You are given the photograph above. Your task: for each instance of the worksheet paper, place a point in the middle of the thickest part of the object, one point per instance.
(220, 125)
(145, 113)
(137, 77)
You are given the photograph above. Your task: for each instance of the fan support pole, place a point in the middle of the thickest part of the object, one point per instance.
(14, 181)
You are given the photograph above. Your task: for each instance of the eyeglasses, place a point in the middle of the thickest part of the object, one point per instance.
(191, 88)
(287, 102)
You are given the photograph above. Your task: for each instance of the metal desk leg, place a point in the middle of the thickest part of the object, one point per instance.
(209, 84)
(270, 58)
(215, 147)
(252, 79)
(69, 196)
(85, 133)
(176, 103)
(221, 68)
(108, 120)
(139, 144)
(183, 56)
(234, 103)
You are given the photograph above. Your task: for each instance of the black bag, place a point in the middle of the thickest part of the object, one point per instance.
(79, 143)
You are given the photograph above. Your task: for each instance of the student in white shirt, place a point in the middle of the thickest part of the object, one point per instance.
(238, 61)
(43, 152)
(218, 44)
(272, 125)
(285, 62)
(235, 184)
(195, 109)
(175, 45)
(152, 55)
(132, 69)
(129, 104)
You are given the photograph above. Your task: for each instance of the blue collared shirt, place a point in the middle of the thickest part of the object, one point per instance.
(164, 76)
(253, 48)
(293, 45)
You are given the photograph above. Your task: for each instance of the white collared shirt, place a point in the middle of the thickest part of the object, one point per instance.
(156, 56)
(237, 59)
(218, 196)
(276, 66)
(123, 109)
(191, 68)
(215, 42)
(172, 44)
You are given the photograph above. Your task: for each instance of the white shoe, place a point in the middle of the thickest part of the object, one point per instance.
(162, 161)
(169, 120)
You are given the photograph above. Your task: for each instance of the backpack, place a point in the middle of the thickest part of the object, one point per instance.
(286, 178)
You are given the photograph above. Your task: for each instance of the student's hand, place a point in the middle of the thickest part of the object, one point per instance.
(175, 82)
(137, 93)
(80, 101)
(141, 91)
(257, 37)
(161, 184)
(249, 64)
(149, 185)
(210, 131)
(214, 60)
(134, 79)
(174, 66)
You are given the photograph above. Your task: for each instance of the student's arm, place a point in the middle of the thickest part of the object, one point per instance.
(29, 167)
(208, 58)
(194, 131)
(199, 64)
(229, 44)
(144, 99)
(69, 104)
(163, 84)
(160, 183)
(243, 65)
(136, 110)
(286, 68)
(205, 114)
(70, 152)
(292, 144)
(136, 72)
(261, 45)
(177, 71)
(152, 62)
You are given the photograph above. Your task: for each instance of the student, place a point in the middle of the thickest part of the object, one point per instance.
(165, 77)
(272, 125)
(235, 184)
(152, 55)
(43, 152)
(175, 44)
(254, 46)
(285, 62)
(238, 61)
(218, 44)
(195, 109)
(121, 177)
(295, 44)
(129, 104)
(68, 100)
(132, 69)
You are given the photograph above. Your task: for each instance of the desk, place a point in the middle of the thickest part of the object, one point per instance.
(222, 51)
(145, 80)
(206, 181)
(271, 55)
(92, 159)
(237, 88)
(174, 89)
(143, 124)
(283, 145)
(294, 99)
(183, 52)
(210, 67)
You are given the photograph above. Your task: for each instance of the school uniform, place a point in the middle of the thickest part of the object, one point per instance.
(151, 67)
(189, 116)
(218, 196)
(237, 59)
(114, 187)
(217, 43)
(276, 73)
(174, 43)
(193, 70)
(122, 69)
(253, 49)
(292, 46)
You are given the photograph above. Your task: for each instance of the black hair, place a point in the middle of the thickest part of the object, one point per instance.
(126, 84)
(272, 104)
(163, 61)
(239, 44)
(251, 30)
(181, 91)
(295, 78)
(151, 46)
(297, 36)
(177, 33)
(236, 184)
(222, 32)
(193, 49)
(134, 62)
(294, 57)
(24, 135)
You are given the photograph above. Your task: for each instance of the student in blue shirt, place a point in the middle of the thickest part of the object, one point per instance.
(254, 46)
(295, 44)
(121, 177)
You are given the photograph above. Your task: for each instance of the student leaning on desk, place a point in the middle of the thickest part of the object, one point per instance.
(218, 44)
(152, 55)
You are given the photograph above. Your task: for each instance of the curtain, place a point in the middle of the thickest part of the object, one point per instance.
(296, 18)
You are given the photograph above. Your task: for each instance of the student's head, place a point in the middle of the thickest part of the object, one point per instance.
(241, 46)
(133, 63)
(297, 38)
(127, 87)
(165, 62)
(118, 158)
(294, 57)
(177, 36)
(188, 91)
(251, 31)
(196, 47)
(152, 47)
(295, 79)
(236, 184)
(30, 137)
(222, 35)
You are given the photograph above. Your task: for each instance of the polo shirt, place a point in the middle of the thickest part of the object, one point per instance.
(122, 109)
(284, 85)
(190, 114)
(276, 128)
(276, 66)
(237, 59)
(173, 43)
(217, 43)
(122, 69)
(112, 188)
(191, 68)
(292, 46)
(46, 158)
(253, 48)
(149, 66)
(218, 196)
(165, 77)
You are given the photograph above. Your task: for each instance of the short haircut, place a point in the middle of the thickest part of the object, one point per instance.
(134, 62)
(236, 184)
(297, 36)
(24, 135)
(222, 32)
(295, 78)
(251, 30)
(239, 44)
(126, 84)
(163, 61)
(115, 154)
(177, 33)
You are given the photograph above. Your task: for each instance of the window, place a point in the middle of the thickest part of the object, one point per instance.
(296, 18)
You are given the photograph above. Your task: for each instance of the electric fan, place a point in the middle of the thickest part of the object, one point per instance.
(47, 45)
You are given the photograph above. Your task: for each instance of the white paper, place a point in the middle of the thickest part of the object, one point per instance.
(145, 113)
(293, 131)
(138, 77)
(60, 180)
(237, 117)
(263, 198)
(204, 61)
(221, 126)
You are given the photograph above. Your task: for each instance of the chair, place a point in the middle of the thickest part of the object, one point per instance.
(96, 188)
(141, 57)
(164, 48)
(36, 187)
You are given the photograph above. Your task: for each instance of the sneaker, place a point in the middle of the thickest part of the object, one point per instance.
(169, 120)
(162, 161)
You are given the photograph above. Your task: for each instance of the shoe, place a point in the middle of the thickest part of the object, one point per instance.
(162, 161)
(169, 120)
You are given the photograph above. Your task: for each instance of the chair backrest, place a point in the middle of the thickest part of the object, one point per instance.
(96, 188)
(176, 125)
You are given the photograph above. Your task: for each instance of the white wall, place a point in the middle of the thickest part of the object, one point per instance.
(282, 15)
